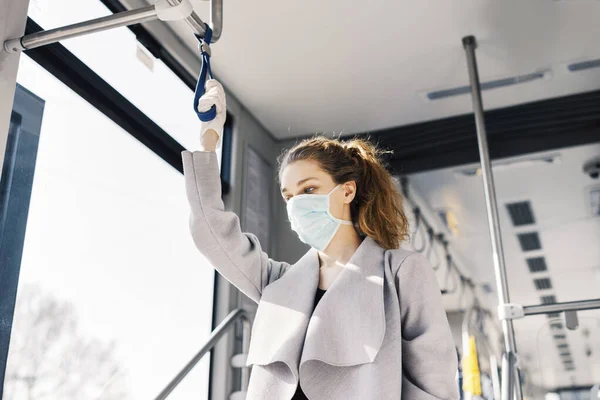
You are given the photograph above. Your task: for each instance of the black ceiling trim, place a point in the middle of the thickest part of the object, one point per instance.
(80, 78)
(512, 131)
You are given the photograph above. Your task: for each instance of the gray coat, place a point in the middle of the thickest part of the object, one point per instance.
(379, 332)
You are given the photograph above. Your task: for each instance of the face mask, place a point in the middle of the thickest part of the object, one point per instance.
(311, 220)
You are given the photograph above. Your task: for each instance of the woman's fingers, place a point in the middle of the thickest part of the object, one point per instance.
(214, 95)
(215, 90)
(206, 103)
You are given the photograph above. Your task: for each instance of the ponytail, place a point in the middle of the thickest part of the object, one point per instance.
(377, 209)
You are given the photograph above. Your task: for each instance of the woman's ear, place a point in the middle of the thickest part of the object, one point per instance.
(349, 191)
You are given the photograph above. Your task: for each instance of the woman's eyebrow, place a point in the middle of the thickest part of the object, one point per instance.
(300, 182)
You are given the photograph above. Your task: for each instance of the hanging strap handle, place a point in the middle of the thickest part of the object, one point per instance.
(204, 72)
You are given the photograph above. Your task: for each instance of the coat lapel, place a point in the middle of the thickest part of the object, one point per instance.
(348, 325)
(283, 314)
(346, 328)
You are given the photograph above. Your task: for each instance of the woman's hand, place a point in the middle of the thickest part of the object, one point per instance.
(211, 131)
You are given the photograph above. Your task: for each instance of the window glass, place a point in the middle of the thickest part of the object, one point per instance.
(113, 297)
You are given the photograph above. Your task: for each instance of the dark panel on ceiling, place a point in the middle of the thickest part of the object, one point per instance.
(529, 241)
(539, 126)
(521, 213)
(537, 264)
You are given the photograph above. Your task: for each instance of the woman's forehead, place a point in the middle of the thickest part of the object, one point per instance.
(301, 170)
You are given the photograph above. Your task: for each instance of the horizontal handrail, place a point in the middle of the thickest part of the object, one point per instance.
(124, 18)
(213, 339)
(560, 307)
(50, 36)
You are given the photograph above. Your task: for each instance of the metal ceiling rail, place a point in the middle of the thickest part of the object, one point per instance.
(165, 10)
(560, 307)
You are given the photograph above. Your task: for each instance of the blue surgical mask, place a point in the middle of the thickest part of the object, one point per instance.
(311, 219)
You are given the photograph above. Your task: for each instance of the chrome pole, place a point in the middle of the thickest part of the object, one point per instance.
(43, 38)
(560, 307)
(508, 376)
(470, 44)
(216, 18)
(213, 339)
(246, 330)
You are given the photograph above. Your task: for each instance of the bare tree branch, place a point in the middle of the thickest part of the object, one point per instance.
(49, 357)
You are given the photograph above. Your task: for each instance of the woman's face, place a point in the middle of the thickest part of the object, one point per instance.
(306, 177)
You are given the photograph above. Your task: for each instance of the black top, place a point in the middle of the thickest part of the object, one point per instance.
(299, 395)
(318, 295)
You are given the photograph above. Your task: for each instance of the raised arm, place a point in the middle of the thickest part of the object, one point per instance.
(216, 232)
(429, 361)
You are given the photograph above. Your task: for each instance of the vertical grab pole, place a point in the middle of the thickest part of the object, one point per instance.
(246, 329)
(510, 346)
(508, 376)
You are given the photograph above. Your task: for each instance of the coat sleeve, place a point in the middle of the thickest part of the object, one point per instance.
(429, 360)
(217, 233)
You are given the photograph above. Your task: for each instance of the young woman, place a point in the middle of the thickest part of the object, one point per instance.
(356, 317)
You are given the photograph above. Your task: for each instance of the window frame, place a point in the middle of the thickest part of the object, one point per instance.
(24, 134)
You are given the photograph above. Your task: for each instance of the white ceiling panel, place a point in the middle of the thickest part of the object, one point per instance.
(310, 66)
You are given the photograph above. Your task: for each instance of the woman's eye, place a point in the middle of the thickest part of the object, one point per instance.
(309, 189)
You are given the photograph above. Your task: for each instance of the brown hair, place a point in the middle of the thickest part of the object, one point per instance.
(377, 209)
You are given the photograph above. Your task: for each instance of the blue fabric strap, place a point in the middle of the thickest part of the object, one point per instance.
(204, 72)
